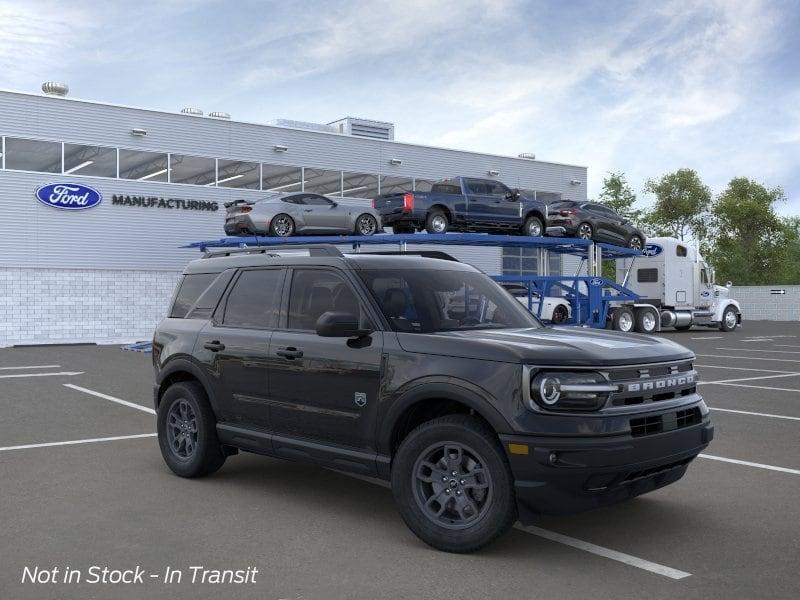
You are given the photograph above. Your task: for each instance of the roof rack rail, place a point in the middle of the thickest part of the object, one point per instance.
(424, 253)
(313, 250)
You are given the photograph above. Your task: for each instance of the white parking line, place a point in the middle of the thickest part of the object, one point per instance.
(553, 536)
(749, 358)
(30, 367)
(633, 561)
(757, 340)
(757, 387)
(750, 464)
(769, 351)
(742, 369)
(20, 375)
(111, 398)
(787, 346)
(755, 414)
(708, 337)
(740, 379)
(74, 442)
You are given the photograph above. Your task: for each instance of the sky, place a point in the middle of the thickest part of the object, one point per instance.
(638, 87)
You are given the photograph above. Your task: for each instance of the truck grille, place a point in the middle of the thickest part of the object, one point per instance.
(643, 384)
(653, 424)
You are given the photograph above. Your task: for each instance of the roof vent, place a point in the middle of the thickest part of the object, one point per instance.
(192, 111)
(377, 130)
(219, 115)
(527, 155)
(53, 88)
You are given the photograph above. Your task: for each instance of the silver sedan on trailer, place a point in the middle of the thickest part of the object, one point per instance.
(285, 214)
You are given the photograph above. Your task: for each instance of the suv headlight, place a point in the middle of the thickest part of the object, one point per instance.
(564, 390)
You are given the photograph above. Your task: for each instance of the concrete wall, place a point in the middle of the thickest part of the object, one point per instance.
(759, 304)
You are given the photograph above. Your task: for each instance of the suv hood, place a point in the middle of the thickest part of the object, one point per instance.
(562, 346)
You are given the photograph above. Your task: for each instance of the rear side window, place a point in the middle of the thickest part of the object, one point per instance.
(316, 291)
(647, 275)
(446, 188)
(254, 300)
(189, 291)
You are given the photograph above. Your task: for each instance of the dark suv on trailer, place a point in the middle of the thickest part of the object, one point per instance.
(420, 371)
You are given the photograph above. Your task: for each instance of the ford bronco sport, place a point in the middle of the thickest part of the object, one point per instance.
(423, 372)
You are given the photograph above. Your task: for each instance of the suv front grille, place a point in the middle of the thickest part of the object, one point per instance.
(645, 383)
(653, 424)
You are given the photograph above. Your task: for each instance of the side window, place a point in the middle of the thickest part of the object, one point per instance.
(317, 291)
(681, 250)
(294, 199)
(254, 300)
(477, 187)
(189, 291)
(498, 189)
(315, 200)
(647, 275)
(703, 276)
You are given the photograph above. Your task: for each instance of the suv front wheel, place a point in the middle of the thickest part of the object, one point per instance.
(452, 484)
(187, 433)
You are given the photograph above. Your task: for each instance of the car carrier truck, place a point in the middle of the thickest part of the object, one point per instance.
(676, 289)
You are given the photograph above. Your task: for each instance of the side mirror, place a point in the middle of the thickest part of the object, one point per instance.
(513, 195)
(340, 324)
(729, 284)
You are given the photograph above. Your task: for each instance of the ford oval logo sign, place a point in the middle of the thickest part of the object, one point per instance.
(596, 282)
(68, 196)
(652, 250)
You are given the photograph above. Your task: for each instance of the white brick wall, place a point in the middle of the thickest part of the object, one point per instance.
(759, 304)
(50, 306)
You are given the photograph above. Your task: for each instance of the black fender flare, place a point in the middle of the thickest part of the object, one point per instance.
(440, 388)
(186, 365)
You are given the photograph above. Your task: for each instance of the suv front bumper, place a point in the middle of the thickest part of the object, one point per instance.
(561, 475)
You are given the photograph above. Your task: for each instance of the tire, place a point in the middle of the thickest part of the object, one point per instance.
(418, 484)
(533, 227)
(729, 319)
(622, 320)
(366, 225)
(645, 321)
(206, 456)
(436, 222)
(281, 225)
(635, 242)
(560, 314)
(585, 231)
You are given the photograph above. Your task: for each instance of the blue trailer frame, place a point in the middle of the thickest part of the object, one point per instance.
(590, 296)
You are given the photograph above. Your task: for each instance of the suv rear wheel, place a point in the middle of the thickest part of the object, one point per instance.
(187, 433)
(452, 484)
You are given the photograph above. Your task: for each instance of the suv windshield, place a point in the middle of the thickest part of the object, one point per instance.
(433, 300)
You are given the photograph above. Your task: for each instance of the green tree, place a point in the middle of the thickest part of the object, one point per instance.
(750, 242)
(618, 196)
(681, 206)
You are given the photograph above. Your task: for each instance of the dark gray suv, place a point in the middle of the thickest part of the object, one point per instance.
(424, 372)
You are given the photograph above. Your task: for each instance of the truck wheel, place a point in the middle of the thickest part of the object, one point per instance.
(453, 485)
(729, 319)
(281, 225)
(187, 431)
(436, 222)
(584, 231)
(622, 319)
(560, 314)
(533, 227)
(645, 321)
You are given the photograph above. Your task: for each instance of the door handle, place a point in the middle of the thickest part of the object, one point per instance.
(308, 210)
(214, 346)
(290, 353)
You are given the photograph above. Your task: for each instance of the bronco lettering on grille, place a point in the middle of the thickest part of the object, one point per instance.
(660, 384)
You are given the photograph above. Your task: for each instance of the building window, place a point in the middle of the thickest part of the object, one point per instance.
(143, 166)
(95, 161)
(279, 178)
(33, 155)
(195, 170)
(238, 174)
(396, 185)
(320, 181)
(359, 185)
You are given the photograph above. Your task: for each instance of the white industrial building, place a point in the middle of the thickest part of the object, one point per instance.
(107, 273)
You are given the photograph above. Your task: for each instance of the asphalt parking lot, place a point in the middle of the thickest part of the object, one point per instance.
(729, 529)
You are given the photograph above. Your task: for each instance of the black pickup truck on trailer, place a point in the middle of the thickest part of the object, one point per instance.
(463, 204)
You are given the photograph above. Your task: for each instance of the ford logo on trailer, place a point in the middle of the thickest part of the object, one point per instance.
(596, 282)
(652, 250)
(68, 196)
